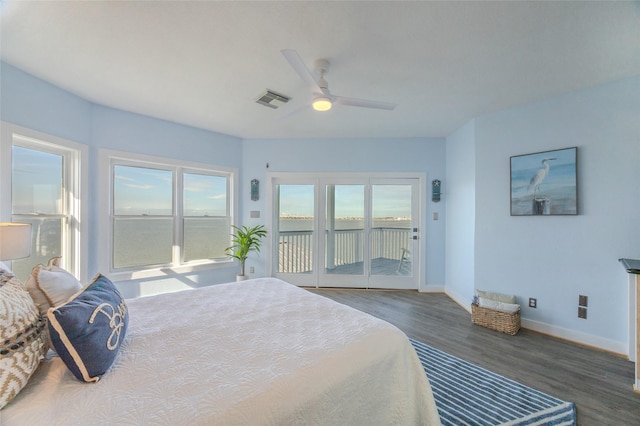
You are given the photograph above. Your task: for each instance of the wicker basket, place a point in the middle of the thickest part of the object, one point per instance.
(496, 320)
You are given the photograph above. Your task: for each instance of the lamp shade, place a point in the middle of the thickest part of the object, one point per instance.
(321, 104)
(15, 240)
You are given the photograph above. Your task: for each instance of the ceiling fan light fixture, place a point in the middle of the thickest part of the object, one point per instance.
(321, 103)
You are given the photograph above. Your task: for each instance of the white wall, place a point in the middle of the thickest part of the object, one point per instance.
(425, 155)
(555, 259)
(461, 213)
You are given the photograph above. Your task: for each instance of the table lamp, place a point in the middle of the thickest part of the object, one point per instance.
(15, 240)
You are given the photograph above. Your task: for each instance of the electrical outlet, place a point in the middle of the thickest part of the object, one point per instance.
(252, 270)
(582, 312)
(533, 303)
(582, 300)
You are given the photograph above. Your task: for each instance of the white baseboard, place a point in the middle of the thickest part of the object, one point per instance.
(576, 336)
(431, 289)
(602, 343)
(459, 299)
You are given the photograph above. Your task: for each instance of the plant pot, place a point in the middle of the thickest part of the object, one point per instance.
(242, 277)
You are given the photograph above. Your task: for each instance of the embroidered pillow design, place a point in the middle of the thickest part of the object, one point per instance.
(88, 330)
(22, 341)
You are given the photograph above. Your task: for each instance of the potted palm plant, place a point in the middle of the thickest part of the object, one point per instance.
(243, 241)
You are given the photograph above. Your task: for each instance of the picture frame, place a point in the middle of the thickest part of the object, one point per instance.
(545, 183)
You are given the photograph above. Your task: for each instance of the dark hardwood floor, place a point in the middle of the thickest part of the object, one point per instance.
(598, 382)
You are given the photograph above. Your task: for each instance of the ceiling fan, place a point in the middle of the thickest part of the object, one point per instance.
(323, 99)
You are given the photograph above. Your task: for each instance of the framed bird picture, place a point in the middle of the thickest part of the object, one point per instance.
(545, 183)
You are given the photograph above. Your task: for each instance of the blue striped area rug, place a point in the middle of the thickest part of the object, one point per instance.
(466, 394)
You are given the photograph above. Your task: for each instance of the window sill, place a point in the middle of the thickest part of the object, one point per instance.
(167, 271)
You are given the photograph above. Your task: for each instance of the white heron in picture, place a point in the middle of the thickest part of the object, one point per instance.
(535, 182)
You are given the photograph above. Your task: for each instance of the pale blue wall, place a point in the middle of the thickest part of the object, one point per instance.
(461, 214)
(554, 259)
(426, 155)
(124, 131)
(33, 103)
(30, 102)
(551, 258)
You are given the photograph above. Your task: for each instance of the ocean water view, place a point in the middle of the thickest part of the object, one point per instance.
(388, 239)
(149, 241)
(144, 241)
(306, 224)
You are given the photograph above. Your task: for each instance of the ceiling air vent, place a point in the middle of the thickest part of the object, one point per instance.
(272, 99)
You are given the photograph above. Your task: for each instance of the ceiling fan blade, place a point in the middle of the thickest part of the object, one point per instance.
(300, 68)
(364, 103)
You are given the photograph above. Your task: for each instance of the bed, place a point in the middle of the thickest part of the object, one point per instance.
(256, 352)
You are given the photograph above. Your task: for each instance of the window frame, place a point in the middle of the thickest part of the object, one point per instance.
(75, 196)
(108, 159)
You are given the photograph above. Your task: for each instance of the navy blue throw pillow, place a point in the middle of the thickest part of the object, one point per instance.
(88, 330)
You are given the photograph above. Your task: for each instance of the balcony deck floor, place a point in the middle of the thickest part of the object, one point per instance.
(379, 266)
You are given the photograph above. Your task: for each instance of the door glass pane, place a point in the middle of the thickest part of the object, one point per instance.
(36, 182)
(344, 233)
(391, 230)
(295, 228)
(142, 191)
(142, 241)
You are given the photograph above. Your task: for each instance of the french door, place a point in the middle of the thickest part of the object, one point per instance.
(355, 231)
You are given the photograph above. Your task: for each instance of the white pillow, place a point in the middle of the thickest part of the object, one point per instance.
(509, 308)
(5, 267)
(51, 286)
(498, 297)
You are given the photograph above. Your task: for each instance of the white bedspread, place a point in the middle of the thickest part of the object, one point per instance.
(259, 352)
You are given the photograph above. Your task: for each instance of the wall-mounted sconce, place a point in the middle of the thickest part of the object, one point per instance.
(255, 190)
(435, 191)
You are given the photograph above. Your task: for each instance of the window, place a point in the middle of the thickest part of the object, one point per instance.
(142, 216)
(206, 213)
(164, 213)
(43, 188)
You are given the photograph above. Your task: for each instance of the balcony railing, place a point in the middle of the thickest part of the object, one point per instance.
(295, 249)
(295, 252)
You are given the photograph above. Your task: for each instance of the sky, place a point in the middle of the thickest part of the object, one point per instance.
(562, 169)
(147, 191)
(37, 188)
(534, 161)
(387, 200)
(37, 182)
(139, 190)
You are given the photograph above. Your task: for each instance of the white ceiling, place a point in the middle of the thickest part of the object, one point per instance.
(204, 63)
